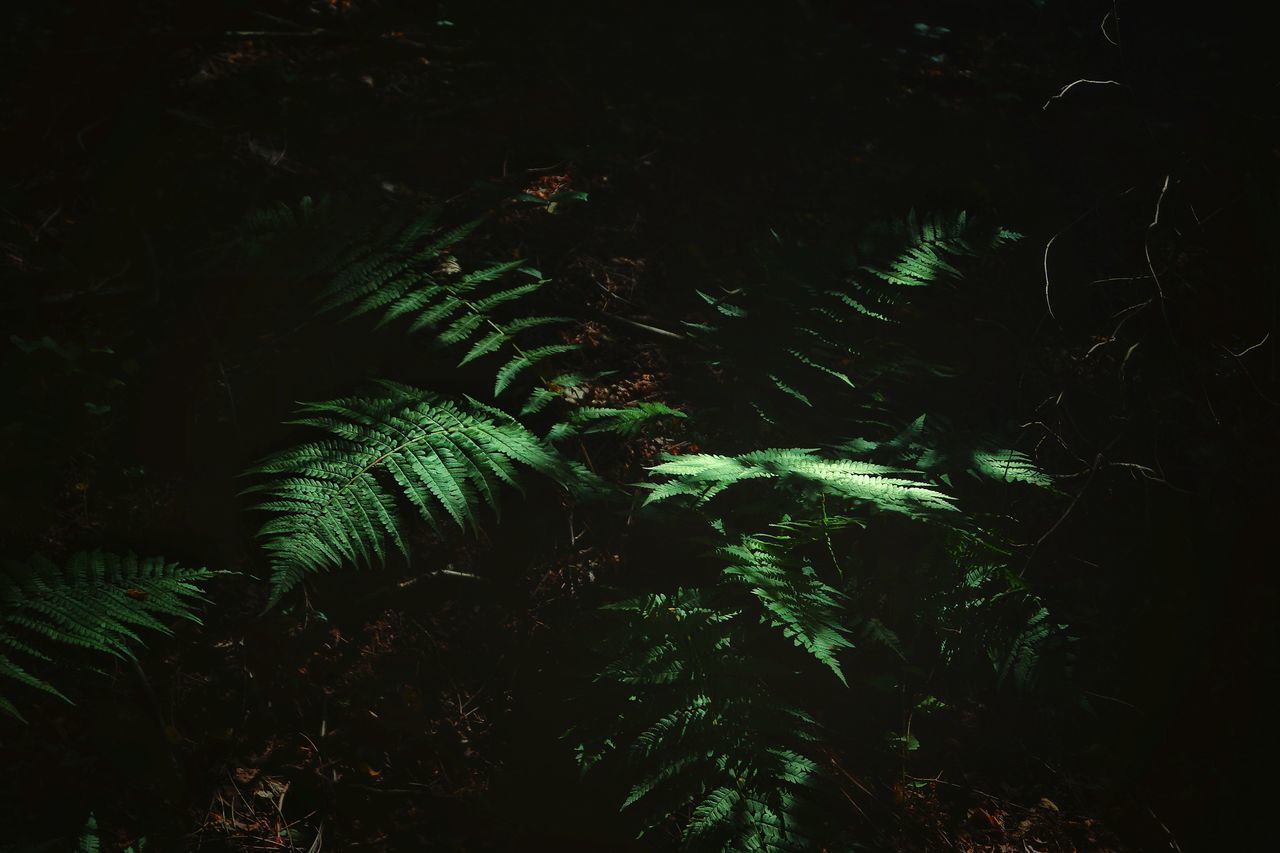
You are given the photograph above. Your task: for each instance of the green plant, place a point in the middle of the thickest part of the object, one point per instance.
(722, 757)
(703, 476)
(798, 332)
(994, 614)
(90, 841)
(699, 670)
(402, 264)
(627, 423)
(97, 602)
(713, 747)
(414, 275)
(331, 499)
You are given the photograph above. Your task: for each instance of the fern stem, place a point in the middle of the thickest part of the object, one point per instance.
(826, 535)
(153, 702)
(515, 346)
(379, 460)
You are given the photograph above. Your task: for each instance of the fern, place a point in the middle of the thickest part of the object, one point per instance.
(925, 244)
(97, 601)
(627, 423)
(944, 451)
(704, 476)
(992, 612)
(315, 237)
(331, 499)
(91, 842)
(718, 735)
(807, 610)
(1009, 466)
(804, 332)
(401, 264)
(413, 275)
(713, 746)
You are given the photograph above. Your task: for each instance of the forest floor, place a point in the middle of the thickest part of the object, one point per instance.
(425, 711)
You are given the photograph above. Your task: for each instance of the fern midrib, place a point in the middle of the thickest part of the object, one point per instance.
(510, 338)
(378, 461)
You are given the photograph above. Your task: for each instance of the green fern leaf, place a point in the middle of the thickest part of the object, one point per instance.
(627, 422)
(523, 360)
(97, 601)
(1009, 466)
(330, 499)
(411, 275)
(807, 610)
(703, 476)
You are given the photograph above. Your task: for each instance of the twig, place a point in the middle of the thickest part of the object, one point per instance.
(1245, 370)
(646, 327)
(1047, 302)
(1105, 18)
(1124, 362)
(1070, 86)
(1146, 241)
(154, 702)
(587, 457)
(1097, 461)
(1173, 841)
(318, 843)
(1250, 349)
(940, 781)
(278, 33)
(1120, 278)
(1071, 225)
(1114, 699)
(284, 822)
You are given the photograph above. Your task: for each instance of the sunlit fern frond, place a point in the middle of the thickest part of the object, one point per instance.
(1009, 466)
(701, 477)
(939, 448)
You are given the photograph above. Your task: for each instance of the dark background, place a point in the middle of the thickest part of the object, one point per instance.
(142, 373)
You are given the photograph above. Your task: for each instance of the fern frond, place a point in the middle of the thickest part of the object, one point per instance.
(713, 745)
(413, 275)
(703, 476)
(804, 334)
(998, 615)
(946, 451)
(807, 610)
(377, 273)
(628, 422)
(88, 842)
(97, 601)
(924, 247)
(525, 359)
(331, 500)
(1009, 466)
(296, 242)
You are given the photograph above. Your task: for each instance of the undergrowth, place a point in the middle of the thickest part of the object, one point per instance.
(718, 694)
